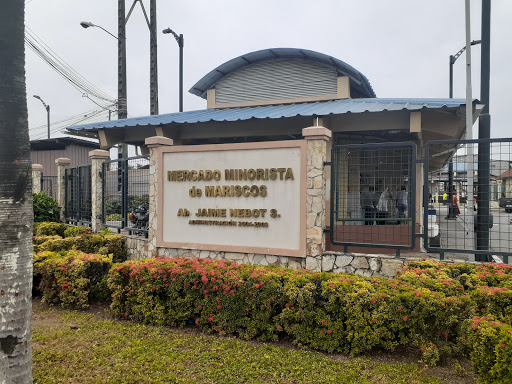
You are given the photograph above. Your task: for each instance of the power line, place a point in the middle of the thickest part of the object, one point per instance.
(48, 55)
(68, 120)
(60, 126)
(65, 70)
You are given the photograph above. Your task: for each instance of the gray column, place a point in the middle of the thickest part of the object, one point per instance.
(316, 195)
(153, 143)
(62, 163)
(37, 173)
(98, 156)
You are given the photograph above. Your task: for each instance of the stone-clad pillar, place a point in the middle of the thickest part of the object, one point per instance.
(62, 163)
(317, 138)
(154, 168)
(98, 156)
(37, 173)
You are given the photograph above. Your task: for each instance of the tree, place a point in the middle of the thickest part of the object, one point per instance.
(15, 202)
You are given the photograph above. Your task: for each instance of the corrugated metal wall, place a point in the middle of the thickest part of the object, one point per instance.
(78, 155)
(275, 80)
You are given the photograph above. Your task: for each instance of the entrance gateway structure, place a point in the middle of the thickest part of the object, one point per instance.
(287, 165)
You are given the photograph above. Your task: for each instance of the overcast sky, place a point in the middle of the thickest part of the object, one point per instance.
(402, 46)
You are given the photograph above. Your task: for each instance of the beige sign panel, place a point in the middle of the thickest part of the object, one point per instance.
(247, 198)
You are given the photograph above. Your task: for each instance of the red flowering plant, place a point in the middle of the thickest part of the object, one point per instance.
(426, 305)
(155, 291)
(493, 300)
(243, 301)
(73, 279)
(307, 315)
(489, 343)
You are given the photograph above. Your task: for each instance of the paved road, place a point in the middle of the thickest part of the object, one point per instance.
(457, 234)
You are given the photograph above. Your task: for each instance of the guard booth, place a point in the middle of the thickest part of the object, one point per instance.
(373, 166)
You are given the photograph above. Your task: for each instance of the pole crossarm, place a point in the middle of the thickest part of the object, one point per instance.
(453, 58)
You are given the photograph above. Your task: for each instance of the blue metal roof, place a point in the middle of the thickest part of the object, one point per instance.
(358, 80)
(319, 108)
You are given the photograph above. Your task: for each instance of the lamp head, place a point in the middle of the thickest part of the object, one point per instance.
(86, 24)
(37, 97)
(168, 30)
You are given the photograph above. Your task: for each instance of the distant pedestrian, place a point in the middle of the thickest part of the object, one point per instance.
(455, 204)
(383, 207)
(401, 202)
(369, 205)
(445, 198)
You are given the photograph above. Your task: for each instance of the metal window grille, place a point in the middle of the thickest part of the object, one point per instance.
(126, 194)
(78, 197)
(470, 197)
(373, 195)
(49, 185)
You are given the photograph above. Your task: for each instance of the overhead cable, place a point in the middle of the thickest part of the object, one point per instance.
(65, 70)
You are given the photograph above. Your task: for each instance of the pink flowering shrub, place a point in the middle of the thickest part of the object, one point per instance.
(72, 279)
(490, 344)
(217, 295)
(443, 309)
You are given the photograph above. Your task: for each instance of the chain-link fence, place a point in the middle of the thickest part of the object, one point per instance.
(78, 197)
(470, 196)
(373, 195)
(126, 194)
(49, 185)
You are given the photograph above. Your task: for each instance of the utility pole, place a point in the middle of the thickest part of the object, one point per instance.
(153, 75)
(122, 104)
(484, 132)
(453, 58)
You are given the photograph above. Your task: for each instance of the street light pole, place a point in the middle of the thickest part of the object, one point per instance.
(180, 41)
(122, 104)
(453, 58)
(47, 107)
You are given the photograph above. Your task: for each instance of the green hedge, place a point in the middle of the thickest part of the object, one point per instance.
(99, 243)
(490, 345)
(72, 279)
(49, 229)
(45, 208)
(429, 305)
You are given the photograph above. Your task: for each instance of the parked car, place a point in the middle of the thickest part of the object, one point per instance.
(506, 202)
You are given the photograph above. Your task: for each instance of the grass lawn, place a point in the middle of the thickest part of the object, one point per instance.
(78, 347)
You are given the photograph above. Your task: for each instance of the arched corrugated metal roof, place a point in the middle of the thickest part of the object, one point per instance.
(358, 82)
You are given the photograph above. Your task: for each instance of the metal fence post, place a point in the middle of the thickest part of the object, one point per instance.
(124, 192)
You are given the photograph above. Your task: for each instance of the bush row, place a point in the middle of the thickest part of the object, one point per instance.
(344, 313)
(442, 308)
(98, 243)
(72, 279)
(489, 343)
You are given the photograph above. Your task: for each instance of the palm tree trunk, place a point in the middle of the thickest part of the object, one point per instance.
(16, 215)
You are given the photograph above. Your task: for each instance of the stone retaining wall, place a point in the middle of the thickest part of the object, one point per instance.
(361, 264)
(138, 248)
